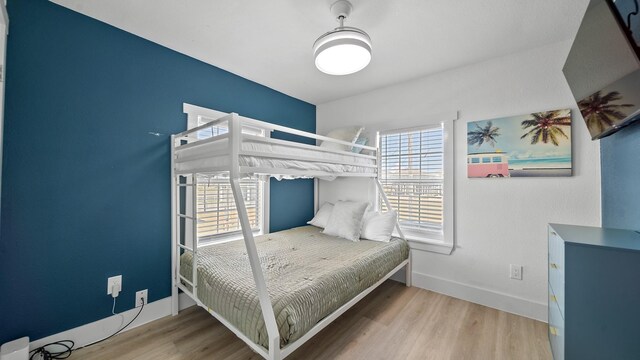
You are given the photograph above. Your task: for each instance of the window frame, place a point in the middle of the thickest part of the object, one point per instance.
(194, 121)
(441, 241)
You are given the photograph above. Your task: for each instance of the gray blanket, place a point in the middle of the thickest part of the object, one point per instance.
(308, 275)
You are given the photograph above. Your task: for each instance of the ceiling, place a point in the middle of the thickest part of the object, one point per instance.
(270, 42)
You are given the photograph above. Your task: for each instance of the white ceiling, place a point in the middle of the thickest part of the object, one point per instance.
(270, 42)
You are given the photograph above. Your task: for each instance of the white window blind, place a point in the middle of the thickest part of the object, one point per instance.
(217, 212)
(411, 173)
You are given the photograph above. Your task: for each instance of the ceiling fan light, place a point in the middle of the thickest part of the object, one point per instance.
(342, 51)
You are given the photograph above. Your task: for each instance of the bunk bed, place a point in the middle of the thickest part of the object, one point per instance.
(296, 281)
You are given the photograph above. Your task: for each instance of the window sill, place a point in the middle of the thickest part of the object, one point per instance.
(436, 246)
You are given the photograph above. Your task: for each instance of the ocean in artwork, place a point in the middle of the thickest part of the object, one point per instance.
(531, 145)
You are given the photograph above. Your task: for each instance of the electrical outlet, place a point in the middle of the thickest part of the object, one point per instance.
(142, 294)
(515, 272)
(114, 280)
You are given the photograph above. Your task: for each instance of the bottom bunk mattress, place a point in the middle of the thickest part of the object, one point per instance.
(309, 275)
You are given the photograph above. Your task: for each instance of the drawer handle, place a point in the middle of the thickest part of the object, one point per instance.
(553, 331)
(553, 265)
(553, 298)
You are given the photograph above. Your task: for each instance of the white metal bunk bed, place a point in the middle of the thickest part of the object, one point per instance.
(242, 152)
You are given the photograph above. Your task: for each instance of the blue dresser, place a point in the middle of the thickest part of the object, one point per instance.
(594, 293)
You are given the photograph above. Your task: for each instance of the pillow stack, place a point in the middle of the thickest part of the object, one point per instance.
(351, 134)
(351, 220)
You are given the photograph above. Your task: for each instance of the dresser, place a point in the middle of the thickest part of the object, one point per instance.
(594, 293)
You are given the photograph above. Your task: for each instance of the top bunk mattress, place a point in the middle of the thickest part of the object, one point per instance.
(274, 154)
(309, 275)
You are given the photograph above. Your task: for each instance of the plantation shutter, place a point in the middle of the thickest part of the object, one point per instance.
(217, 213)
(412, 176)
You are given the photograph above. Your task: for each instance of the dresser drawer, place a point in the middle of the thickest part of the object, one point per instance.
(556, 248)
(556, 286)
(556, 270)
(556, 330)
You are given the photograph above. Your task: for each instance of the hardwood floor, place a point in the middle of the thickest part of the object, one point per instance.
(393, 322)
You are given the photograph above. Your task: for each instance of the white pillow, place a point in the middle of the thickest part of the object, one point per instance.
(378, 226)
(322, 216)
(346, 220)
(349, 134)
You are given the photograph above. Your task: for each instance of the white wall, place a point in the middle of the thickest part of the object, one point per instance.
(498, 221)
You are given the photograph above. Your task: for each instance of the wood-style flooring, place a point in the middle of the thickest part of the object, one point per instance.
(393, 322)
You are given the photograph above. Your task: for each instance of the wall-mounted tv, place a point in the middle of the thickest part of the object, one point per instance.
(627, 12)
(603, 66)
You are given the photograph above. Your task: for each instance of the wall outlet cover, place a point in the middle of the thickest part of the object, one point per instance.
(515, 272)
(113, 281)
(142, 294)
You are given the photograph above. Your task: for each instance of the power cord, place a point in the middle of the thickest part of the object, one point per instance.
(51, 355)
(69, 344)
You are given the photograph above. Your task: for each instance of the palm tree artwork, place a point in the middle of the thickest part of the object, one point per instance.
(599, 113)
(481, 135)
(534, 144)
(546, 126)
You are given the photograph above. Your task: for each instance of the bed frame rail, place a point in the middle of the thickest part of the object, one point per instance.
(247, 124)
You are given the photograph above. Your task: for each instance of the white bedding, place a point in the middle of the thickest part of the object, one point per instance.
(199, 157)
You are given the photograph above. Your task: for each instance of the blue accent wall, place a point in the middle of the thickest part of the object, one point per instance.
(620, 156)
(86, 188)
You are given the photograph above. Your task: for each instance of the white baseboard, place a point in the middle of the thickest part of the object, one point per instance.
(493, 299)
(100, 329)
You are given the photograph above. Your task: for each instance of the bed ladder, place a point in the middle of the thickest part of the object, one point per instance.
(235, 133)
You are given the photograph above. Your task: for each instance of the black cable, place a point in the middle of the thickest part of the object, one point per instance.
(49, 355)
(115, 333)
(68, 349)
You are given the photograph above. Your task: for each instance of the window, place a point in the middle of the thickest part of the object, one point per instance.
(475, 160)
(497, 159)
(486, 160)
(416, 172)
(412, 178)
(217, 213)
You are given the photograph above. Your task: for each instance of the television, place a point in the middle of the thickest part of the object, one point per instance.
(603, 66)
